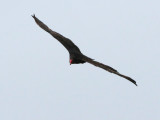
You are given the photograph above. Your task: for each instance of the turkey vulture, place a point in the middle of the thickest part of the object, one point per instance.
(76, 57)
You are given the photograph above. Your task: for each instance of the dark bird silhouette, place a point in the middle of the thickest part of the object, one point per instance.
(76, 57)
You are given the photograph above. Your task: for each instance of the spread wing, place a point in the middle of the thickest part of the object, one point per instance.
(67, 43)
(107, 68)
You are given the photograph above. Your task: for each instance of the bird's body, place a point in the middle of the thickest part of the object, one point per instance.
(76, 57)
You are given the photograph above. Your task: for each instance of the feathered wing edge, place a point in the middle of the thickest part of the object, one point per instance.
(67, 43)
(107, 68)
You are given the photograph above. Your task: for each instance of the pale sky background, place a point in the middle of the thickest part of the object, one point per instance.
(37, 82)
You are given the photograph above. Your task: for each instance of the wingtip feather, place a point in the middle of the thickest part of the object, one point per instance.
(33, 15)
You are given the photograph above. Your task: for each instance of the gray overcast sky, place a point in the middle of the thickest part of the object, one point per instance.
(37, 82)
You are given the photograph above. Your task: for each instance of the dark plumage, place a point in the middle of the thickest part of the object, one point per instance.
(76, 56)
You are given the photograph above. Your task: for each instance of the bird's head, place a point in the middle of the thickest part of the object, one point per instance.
(70, 61)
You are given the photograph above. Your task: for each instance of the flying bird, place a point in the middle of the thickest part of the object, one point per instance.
(76, 56)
